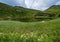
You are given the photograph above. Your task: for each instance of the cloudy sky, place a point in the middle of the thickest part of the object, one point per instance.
(33, 4)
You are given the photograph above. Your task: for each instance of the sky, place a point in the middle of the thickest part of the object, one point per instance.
(33, 4)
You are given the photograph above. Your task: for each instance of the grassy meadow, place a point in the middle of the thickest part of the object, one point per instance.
(15, 31)
(19, 24)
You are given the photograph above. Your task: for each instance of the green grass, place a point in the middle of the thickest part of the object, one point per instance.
(15, 31)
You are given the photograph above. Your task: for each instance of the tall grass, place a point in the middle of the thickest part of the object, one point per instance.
(14, 31)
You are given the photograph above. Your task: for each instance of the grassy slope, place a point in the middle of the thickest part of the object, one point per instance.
(7, 10)
(33, 26)
(17, 13)
(55, 9)
(50, 30)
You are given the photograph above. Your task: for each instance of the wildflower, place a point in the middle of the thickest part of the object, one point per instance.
(1, 33)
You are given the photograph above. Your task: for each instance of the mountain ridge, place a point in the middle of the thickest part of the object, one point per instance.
(18, 12)
(55, 9)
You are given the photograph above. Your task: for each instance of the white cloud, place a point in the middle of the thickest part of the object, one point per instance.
(20, 3)
(28, 3)
(40, 4)
(58, 3)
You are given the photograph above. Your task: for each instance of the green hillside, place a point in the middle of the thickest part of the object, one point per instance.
(16, 12)
(55, 9)
(19, 13)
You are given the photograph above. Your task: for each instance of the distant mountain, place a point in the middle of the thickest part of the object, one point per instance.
(17, 12)
(55, 9)
(7, 9)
